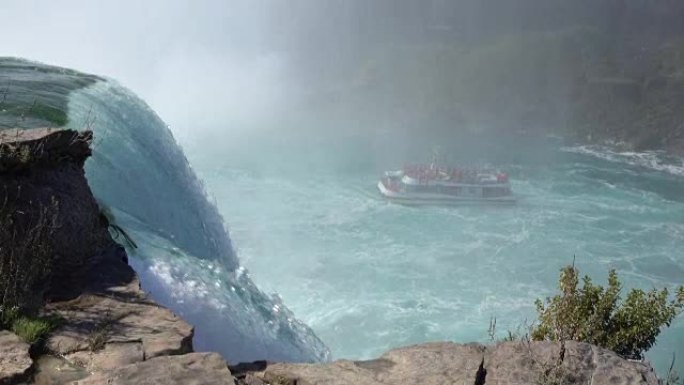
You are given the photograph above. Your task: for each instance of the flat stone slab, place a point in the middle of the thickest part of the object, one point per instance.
(52, 370)
(135, 327)
(14, 357)
(187, 369)
(113, 355)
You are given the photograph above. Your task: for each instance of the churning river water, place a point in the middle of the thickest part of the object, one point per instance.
(367, 275)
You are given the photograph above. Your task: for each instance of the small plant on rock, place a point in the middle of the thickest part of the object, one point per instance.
(100, 334)
(34, 329)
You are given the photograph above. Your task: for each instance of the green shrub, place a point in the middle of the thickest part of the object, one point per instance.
(599, 316)
(32, 330)
(29, 329)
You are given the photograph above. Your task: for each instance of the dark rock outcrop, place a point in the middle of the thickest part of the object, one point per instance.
(24, 150)
(42, 183)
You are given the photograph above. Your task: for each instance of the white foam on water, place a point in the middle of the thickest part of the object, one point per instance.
(654, 160)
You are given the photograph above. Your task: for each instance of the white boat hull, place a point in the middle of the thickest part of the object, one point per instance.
(439, 199)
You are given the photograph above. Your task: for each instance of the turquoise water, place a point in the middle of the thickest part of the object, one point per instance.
(367, 275)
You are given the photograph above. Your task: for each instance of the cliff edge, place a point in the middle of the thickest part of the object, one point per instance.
(438, 363)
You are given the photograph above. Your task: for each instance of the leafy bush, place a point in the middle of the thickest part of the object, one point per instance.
(599, 316)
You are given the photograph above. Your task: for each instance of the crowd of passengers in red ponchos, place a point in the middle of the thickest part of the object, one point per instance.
(456, 175)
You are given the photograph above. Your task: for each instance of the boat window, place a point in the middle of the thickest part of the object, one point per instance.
(451, 190)
(419, 188)
(492, 192)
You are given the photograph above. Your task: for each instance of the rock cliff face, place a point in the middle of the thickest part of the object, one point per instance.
(43, 189)
(110, 333)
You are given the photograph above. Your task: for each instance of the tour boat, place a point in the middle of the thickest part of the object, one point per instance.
(433, 184)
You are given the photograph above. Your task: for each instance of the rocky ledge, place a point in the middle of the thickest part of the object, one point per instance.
(449, 363)
(111, 333)
(110, 325)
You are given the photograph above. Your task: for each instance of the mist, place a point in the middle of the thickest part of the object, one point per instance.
(212, 67)
(197, 65)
